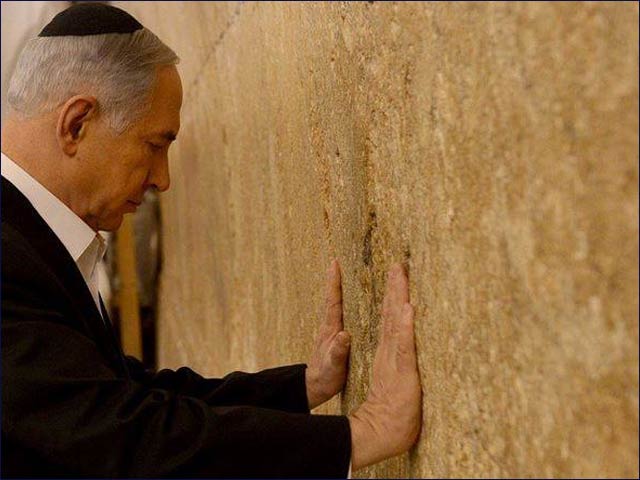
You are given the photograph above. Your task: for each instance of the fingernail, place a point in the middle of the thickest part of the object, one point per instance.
(395, 270)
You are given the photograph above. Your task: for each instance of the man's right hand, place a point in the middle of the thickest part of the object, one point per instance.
(388, 422)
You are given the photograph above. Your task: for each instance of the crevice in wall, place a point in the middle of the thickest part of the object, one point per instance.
(212, 50)
(366, 244)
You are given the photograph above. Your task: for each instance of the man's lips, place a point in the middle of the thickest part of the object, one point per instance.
(132, 206)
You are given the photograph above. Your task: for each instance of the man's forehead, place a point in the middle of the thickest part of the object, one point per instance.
(162, 124)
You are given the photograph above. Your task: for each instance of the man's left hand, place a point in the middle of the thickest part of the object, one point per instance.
(327, 370)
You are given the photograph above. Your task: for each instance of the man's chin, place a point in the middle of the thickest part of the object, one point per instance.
(112, 224)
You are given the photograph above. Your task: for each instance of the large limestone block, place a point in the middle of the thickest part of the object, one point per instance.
(492, 147)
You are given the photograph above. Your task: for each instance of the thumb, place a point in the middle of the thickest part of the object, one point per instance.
(406, 337)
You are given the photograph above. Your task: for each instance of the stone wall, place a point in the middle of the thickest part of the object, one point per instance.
(492, 147)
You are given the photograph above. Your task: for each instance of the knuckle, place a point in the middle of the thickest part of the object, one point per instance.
(332, 302)
(403, 350)
(388, 329)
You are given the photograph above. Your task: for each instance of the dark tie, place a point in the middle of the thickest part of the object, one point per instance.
(103, 310)
(115, 342)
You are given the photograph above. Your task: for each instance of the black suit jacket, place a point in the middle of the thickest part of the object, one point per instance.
(74, 405)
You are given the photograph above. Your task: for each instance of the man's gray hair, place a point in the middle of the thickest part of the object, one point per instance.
(119, 69)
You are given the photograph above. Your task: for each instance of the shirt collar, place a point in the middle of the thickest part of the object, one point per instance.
(72, 231)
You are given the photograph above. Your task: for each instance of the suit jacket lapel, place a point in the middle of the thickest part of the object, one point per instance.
(112, 334)
(20, 214)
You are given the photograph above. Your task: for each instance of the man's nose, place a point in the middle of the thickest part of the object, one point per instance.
(160, 176)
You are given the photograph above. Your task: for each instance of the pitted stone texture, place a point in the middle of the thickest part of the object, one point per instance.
(492, 147)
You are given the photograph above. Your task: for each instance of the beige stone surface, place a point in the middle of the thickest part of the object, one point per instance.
(492, 147)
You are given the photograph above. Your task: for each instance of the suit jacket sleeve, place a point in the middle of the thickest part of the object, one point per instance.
(66, 412)
(281, 388)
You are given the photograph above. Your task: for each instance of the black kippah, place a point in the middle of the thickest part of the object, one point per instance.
(91, 18)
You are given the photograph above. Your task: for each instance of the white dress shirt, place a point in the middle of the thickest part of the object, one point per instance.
(85, 246)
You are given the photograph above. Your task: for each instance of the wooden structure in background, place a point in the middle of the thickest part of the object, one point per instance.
(130, 328)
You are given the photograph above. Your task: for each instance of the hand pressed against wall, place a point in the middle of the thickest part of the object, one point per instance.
(327, 371)
(388, 422)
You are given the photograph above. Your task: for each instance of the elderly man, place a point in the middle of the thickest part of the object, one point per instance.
(94, 105)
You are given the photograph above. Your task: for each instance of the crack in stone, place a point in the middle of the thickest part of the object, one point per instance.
(230, 23)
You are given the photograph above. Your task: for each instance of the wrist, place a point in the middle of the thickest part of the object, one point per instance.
(357, 439)
(313, 393)
(365, 448)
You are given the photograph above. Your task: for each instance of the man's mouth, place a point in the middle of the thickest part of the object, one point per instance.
(132, 206)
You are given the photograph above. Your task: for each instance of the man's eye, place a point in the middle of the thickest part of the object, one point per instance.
(155, 146)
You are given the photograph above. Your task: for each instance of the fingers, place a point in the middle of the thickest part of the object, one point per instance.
(333, 315)
(340, 348)
(406, 345)
(396, 295)
(397, 291)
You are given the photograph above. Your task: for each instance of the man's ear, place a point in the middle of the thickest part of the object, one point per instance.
(72, 121)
